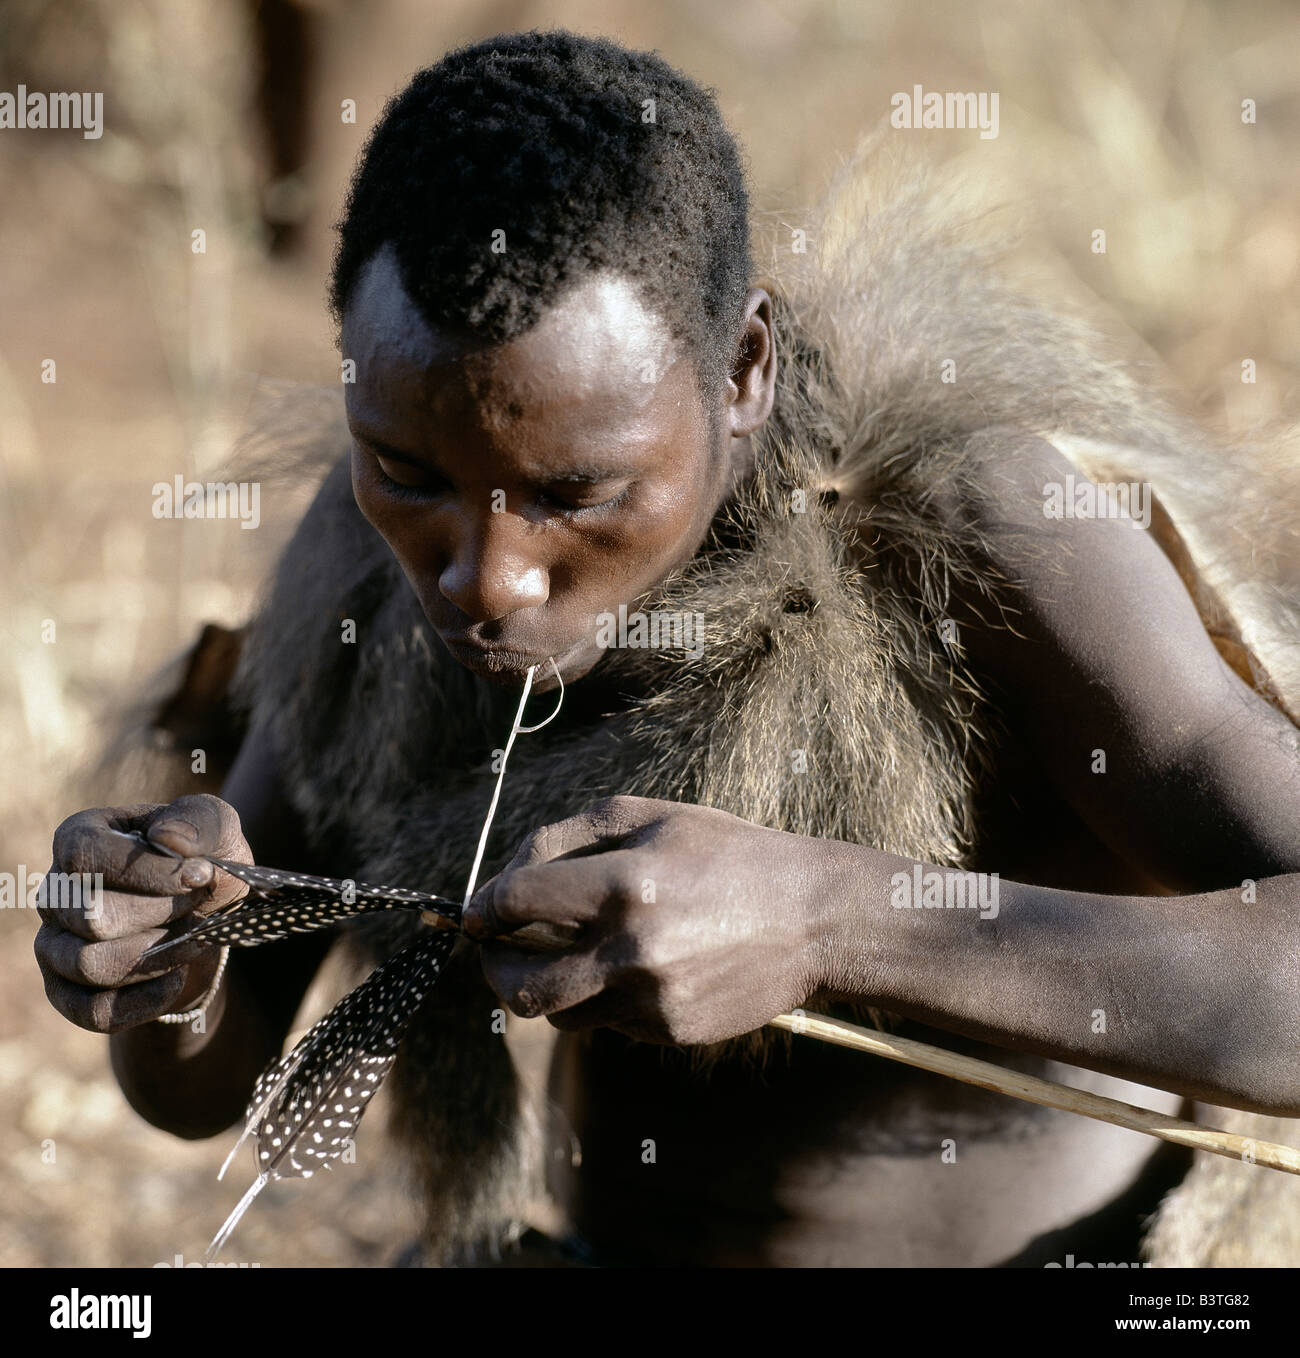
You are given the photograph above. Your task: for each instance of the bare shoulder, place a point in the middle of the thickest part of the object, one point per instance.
(1111, 675)
(1075, 560)
(1013, 478)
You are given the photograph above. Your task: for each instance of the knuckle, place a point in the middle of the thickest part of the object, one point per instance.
(617, 807)
(43, 943)
(74, 843)
(598, 811)
(99, 926)
(610, 815)
(114, 1011)
(100, 1012)
(75, 1003)
(534, 848)
(98, 964)
(53, 992)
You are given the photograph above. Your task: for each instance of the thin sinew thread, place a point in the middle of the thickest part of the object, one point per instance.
(515, 730)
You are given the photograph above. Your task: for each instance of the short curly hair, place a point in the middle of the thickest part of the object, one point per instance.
(587, 156)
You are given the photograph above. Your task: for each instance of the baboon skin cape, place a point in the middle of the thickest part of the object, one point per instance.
(830, 698)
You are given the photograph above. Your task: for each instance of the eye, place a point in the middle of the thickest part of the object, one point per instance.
(404, 481)
(575, 500)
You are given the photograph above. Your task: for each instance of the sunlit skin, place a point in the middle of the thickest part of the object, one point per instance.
(609, 480)
(527, 488)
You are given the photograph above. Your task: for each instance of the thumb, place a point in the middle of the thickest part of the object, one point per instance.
(198, 827)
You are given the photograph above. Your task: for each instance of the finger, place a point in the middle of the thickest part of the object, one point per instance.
(181, 950)
(96, 916)
(531, 986)
(566, 890)
(111, 1011)
(99, 841)
(105, 884)
(100, 965)
(199, 826)
(596, 829)
(95, 859)
(600, 826)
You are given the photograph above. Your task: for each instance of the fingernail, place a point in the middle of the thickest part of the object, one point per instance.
(196, 872)
(178, 829)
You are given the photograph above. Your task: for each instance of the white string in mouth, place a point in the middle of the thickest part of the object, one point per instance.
(515, 730)
(528, 730)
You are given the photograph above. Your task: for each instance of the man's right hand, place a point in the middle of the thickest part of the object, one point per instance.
(89, 951)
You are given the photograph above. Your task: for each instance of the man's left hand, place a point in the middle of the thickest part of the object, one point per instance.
(696, 926)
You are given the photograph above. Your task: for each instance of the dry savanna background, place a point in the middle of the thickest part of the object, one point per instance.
(228, 118)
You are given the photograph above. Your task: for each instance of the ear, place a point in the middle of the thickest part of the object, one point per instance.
(751, 387)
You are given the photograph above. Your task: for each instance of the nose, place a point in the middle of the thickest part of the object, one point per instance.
(491, 574)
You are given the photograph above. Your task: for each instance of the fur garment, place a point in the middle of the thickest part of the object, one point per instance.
(823, 588)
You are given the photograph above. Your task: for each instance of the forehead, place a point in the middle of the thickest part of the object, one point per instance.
(599, 350)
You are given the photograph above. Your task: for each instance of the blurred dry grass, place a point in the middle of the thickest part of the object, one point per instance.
(1115, 116)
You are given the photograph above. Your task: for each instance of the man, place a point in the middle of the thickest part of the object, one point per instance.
(571, 406)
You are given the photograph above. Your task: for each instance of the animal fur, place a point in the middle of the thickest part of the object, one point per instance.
(822, 635)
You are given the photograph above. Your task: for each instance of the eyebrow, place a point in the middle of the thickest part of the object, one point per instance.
(588, 472)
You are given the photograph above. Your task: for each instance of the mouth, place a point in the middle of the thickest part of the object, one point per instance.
(491, 659)
(508, 665)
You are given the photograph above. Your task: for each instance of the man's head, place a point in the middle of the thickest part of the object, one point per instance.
(543, 279)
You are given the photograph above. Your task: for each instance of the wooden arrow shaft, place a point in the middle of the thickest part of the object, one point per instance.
(1047, 1093)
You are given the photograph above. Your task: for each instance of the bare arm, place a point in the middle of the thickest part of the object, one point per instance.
(1199, 789)
(1196, 993)
(1198, 783)
(1193, 994)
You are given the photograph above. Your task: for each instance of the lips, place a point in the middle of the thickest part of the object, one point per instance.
(470, 646)
(491, 661)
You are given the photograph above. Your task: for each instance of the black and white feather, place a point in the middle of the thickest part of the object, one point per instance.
(280, 903)
(306, 1108)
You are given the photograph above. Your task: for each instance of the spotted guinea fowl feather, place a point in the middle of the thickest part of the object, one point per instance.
(280, 903)
(268, 880)
(305, 1109)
